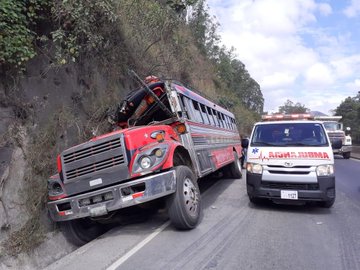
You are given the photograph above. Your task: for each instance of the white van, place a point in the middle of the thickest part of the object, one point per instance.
(290, 158)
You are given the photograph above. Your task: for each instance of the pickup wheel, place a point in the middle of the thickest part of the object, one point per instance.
(81, 231)
(235, 167)
(184, 206)
(346, 155)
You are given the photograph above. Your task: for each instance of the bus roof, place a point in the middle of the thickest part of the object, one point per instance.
(192, 95)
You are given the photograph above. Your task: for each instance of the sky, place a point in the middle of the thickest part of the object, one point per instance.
(307, 51)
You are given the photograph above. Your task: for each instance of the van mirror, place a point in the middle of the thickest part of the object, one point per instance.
(244, 143)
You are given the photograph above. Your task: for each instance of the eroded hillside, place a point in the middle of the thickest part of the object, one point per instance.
(64, 64)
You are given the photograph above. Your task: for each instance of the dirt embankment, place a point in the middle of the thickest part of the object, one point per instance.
(40, 115)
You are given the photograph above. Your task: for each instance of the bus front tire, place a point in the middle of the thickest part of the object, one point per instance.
(184, 206)
(80, 231)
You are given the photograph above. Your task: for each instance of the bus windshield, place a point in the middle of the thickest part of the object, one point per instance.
(289, 134)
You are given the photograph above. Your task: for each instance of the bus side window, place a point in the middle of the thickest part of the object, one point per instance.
(220, 120)
(227, 121)
(211, 117)
(233, 123)
(216, 118)
(189, 108)
(204, 114)
(185, 107)
(197, 112)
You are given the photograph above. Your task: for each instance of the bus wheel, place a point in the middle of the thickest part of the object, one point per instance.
(80, 231)
(235, 167)
(184, 206)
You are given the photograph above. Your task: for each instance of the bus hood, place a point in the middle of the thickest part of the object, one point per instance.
(290, 156)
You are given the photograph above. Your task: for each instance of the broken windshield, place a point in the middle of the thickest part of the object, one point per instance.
(142, 108)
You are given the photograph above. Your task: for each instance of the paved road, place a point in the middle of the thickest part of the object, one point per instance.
(235, 234)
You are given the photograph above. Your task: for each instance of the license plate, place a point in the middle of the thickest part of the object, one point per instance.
(289, 194)
(98, 211)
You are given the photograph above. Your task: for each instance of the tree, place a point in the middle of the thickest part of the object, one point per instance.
(349, 109)
(290, 107)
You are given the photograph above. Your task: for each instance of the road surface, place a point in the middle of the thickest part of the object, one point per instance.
(235, 234)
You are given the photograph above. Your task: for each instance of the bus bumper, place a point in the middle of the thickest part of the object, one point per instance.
(103, 201)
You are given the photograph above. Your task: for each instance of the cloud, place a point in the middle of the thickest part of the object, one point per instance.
(286, 49)
(324, 9)
(346, 66)
(353, 86)
(318, 74)
(353, 9)
(277, 79)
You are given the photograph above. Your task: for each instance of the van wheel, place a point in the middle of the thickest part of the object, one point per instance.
(235, 167)
(184, 206)
(346, 155)
(81, 231)
(327, 204)
(254, 200)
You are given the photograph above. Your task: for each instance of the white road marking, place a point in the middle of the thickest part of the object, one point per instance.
(135, 249)
(140, 245)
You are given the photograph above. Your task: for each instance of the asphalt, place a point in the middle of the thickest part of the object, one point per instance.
(355, 153)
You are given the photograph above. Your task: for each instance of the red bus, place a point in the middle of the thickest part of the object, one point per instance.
(170, 137)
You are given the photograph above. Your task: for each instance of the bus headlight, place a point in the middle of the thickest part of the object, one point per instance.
(254, 168)
(145, 162)
(325, 170)
(149, 158)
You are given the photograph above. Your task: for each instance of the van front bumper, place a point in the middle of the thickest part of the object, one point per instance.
(323, 190)
(103, 201)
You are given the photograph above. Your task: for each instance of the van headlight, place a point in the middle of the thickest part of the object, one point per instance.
(325, 170)
(254, 168)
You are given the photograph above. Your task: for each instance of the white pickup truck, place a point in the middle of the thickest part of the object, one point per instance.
(336, 133)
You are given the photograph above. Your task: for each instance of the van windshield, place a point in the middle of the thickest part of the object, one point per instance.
(289, 134)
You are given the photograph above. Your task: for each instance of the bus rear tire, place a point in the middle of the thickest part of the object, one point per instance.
(184, 206)
(235, 167)
(80, 231)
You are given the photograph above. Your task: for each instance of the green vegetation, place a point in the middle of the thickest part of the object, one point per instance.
(349, 109)
(151, 37)
(290, 107)
(17, 36)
